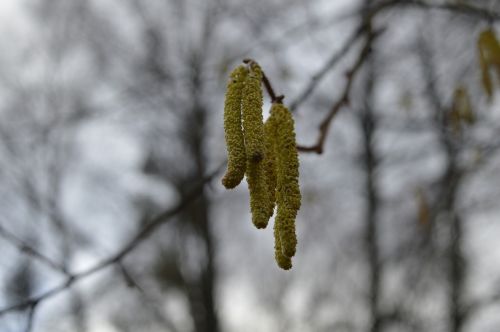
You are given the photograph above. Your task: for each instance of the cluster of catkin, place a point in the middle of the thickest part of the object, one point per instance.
(266, 153)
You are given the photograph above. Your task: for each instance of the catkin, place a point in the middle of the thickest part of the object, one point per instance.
(253, 131)
(287, 188)
(251, 108)
(266, 154)
(236, 164)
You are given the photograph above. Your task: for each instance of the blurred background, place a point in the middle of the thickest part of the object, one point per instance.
(111, 114)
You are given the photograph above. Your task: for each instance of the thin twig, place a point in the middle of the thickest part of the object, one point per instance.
(144, 233)
(329, 65)
(344, 97)
(30, 251)
(127, 277)
(31, 318)
(463, 9)
(132, 282)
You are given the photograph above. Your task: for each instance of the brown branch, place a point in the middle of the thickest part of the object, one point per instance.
(267, 84)
(344, 97)
(116, 259)
(329, 65)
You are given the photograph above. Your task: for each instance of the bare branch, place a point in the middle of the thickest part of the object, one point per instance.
(31, 318)
(30, 251)
(464, 9)
(329, 65)
(344, 97)
(143, 234)
(478, 305)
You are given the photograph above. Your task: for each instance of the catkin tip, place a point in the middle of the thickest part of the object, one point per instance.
(283, 261)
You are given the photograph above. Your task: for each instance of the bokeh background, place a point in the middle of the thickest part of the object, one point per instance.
(111, 114)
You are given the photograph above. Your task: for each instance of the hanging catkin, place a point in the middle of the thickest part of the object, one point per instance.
(253, 131)
(287, 189)
(236, 164)
(266, 154)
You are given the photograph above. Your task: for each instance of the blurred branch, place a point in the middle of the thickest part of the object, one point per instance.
(130, 281)
(329, 65)
(31, 318)
(344, 97)
(481, 304)
(30, 251)
(459, 8)
(116, 259)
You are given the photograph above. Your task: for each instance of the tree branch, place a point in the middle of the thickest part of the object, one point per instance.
(30, 251)
(329, 65)
(344, 97)
(463, 9)
(116, 259)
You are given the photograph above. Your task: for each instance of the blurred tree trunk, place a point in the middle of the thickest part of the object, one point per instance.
(445, 204)
(456, 268)
(367, 123)
(201, 290)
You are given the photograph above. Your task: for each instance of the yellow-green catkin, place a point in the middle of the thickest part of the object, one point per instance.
(235, 144)
(270, 163)
(283, 261)
(251, 108)
(253, 132)
(288, 196)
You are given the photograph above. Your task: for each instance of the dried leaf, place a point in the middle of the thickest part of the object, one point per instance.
(489, 56)
(461, 111)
